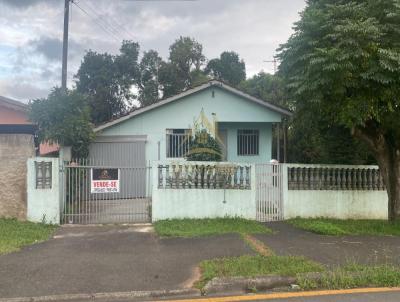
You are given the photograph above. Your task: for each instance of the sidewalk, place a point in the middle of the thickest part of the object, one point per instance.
(109, 259)
(331, 250)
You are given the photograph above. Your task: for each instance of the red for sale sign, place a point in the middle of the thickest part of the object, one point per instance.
(104, 180)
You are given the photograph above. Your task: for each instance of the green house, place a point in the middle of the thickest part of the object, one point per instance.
(242, 125)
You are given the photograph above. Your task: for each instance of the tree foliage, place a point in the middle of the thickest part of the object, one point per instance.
(228, 68)
(107, 81)
(267, 87)
(344, 58)
(148, 80)
(312, 137)
(203, 147)
(183, 70)
(63, 118)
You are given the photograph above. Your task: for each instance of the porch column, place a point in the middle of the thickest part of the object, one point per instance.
(278, 145)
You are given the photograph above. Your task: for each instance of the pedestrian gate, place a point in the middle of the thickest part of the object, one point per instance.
(269, 193)
(98, 193)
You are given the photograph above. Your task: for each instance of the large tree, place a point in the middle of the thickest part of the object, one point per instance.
(311, 138)
(107, 80)
(148, 80)
(183, 70)
(267, 87)
(228, 68)
(344, 58)
(64, 118)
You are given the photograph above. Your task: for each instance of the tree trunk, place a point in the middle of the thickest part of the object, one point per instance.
(390, 170)
(388, 158)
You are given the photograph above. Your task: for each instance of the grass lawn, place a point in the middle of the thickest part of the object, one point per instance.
(208, 227)
(353, 276)
(337, 227)
(252, 266)
(15, 234)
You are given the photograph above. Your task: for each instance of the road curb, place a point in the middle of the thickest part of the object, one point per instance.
(111, 295)
(241, 284)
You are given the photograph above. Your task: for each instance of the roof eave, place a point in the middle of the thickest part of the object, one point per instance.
(266, 104)
(13, 104)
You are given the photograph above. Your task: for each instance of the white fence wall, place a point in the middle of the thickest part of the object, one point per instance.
(236, 200)
(356, 192)
(43, 199)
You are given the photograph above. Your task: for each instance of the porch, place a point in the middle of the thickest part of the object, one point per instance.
(240, 142)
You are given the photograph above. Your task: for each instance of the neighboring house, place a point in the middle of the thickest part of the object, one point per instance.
(241, 123)
(17, 144)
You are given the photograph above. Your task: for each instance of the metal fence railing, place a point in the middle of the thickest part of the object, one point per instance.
(269, 194)
(98, 193)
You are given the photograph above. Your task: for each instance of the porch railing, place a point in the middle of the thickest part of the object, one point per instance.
(204, 175)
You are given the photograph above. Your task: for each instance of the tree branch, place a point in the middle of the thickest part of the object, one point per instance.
(362, 134)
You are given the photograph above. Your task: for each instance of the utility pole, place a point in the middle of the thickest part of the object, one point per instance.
(65, 46)
(275, 64)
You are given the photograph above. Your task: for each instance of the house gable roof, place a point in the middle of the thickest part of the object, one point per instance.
(194, 90)
(13, 104)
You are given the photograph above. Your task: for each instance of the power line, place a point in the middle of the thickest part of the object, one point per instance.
(274, 61)
(98, 23)
(112, 23)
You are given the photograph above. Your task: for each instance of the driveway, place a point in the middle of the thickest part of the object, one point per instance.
(331, 250)
(109, 259)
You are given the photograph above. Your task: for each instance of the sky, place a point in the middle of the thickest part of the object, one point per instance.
(31, 34)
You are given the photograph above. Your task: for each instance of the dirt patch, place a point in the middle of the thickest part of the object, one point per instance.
(257, 245)
(195, 276)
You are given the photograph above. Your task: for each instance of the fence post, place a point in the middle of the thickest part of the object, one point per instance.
(155, 188)
(43, 203)
(285, 189)
(253, 187)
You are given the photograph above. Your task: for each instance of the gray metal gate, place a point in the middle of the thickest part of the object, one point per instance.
(269, 193)
(131, 203)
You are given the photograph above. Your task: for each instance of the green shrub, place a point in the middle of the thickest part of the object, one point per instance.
(203, 147)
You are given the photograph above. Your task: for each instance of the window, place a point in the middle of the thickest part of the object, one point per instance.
(248, 142)
(43, 174)
(178, 142)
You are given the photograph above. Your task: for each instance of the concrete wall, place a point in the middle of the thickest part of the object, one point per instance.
(230, 110)
(202, 203)
(336, 204)
(340, 204)
(15, 149)
(43, 204)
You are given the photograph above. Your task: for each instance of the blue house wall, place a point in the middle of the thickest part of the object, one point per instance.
(232, 112)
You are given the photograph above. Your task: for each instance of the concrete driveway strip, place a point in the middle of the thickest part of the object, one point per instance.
(109, 259)
(332, 250)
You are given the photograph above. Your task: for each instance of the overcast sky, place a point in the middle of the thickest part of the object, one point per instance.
(31, 34)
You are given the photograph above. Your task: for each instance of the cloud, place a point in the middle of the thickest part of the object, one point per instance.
(31, 33)
(21, 89)
(51, 48)
(27, 3)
